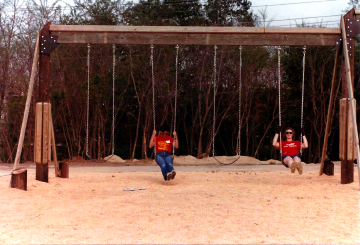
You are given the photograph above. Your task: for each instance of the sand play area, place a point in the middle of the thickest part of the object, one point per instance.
(240, 204)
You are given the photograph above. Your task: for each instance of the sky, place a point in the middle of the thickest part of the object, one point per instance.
(287, 13)
(303, 9)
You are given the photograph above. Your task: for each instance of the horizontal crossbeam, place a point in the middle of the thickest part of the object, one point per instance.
(173, 35)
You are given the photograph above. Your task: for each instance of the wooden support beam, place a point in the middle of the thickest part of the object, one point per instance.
(196, 39)
(43, 137)
(193, 29)
(27, 104)
(56, 164)
(351, 93)
(329, 115)
(347, 164)
(173, 35)
(42, 167)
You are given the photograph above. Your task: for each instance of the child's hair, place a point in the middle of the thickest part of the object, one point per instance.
(164, 128)
(293, 133)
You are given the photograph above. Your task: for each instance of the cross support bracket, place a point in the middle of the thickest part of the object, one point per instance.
(352, 27)
(48, 43)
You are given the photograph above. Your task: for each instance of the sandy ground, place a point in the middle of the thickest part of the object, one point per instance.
(197, 207)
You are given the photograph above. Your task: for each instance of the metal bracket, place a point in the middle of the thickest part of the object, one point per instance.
(348, 42)
(48, 43)
(338, 42)
(352, 27)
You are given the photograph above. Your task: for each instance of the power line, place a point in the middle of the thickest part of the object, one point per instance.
(313, 17)
(181, 3)
(285, 4)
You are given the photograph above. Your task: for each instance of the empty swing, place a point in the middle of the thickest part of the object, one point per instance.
(214, 113)
(88, 104)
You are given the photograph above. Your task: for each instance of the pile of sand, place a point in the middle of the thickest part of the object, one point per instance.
(114, 158)
(185, 160)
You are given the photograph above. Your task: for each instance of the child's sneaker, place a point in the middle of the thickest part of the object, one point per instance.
(168, 176)
(173, 173)
(292, 167)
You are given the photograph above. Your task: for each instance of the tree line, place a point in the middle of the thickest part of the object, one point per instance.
(133, 83)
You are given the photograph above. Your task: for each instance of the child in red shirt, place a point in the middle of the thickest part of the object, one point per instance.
(291, 156)
(163, 143)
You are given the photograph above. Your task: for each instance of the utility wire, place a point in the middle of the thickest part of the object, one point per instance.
(181, 3)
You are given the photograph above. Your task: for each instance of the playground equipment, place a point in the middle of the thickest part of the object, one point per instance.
(342, 38)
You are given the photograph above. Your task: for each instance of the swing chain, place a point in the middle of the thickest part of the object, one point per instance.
(302, 96)
(176, 86)
(113, 109)
(214, 118)
(279, 83)
(239, 150)
(88, 99)
(153, 88)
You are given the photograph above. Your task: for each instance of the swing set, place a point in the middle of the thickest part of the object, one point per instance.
(342, 38)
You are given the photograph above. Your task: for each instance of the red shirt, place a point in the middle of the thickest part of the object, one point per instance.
(163, 143)
(290, 148)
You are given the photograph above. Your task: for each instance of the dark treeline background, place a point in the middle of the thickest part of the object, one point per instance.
(133, 88)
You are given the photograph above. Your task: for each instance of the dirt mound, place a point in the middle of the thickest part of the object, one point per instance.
(114, 158)
(243, 160)
(184, 160)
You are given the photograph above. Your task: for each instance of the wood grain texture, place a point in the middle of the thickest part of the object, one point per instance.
(228, 39)
(192, 29)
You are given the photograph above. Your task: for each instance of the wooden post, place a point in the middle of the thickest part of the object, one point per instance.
(351, 96)
(42, 167)
(27, 105)
(19, 179)
(347, 165)
(43, 135)
(64, 169)
(328, 167)
(346, 131)
(56, 165)
(327, 129)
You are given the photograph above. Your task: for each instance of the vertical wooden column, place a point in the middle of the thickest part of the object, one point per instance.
(347, 164)
(42, 167)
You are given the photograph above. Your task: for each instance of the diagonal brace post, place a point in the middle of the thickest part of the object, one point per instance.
(351, 94)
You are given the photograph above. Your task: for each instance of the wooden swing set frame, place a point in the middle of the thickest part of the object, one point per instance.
(52, 35)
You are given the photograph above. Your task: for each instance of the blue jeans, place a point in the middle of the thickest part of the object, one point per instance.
(165, 161)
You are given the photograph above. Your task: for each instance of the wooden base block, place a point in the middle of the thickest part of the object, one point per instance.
(64, 169)
(19, 179)
(42, 172)
(328, 168)
(347, 171)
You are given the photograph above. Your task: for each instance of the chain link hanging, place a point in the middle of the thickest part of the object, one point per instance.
(302, 96)
(88, 100)
(214, 113)
(113, 109)
(279, 83)
(176, 86)
(153, 90)
(240, 68)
